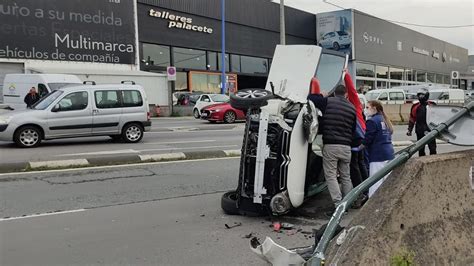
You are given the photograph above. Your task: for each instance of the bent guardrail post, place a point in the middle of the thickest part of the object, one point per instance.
(403, 156)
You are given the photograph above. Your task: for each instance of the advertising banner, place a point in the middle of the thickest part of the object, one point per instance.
(99, 31)
(334, 31)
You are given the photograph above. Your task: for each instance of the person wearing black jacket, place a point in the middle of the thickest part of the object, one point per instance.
(338, 127)
(418, 120)
(31, 98)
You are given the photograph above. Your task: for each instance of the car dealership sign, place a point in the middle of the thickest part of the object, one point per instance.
(179, 22)
(99, 31)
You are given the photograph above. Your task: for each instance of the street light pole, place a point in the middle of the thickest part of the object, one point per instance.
(223, 78)
(282, 22)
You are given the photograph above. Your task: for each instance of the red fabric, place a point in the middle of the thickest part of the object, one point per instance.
(354, 99)
(315, 86)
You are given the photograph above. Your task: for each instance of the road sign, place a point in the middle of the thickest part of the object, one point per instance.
(454, 74)
(171, 71)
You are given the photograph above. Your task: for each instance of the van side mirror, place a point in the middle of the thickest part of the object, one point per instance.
(56, 108)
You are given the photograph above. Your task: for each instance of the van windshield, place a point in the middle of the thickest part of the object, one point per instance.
(46, 101)
(370, 96)
(56, 86)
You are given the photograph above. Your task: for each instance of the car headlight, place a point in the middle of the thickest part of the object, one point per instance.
(5, 119)
(215, 111)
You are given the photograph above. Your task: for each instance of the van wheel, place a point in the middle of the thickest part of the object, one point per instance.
(27, 137)
(250, 99)
(132, 133)
(196, 114)
(229, 203)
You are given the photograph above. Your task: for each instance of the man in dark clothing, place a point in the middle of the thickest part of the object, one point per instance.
(418, 120)
(338, 127)
(31, 98)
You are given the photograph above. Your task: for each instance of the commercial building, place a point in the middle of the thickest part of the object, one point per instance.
(109, 39)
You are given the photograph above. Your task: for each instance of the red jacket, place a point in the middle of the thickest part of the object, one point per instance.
(354, 99)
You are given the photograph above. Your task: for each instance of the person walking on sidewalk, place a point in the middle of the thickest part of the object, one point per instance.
(338, 127)
(418, 120)
(378, 140)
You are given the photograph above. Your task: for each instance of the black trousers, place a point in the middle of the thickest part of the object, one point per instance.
(358, 168)
(431, 145)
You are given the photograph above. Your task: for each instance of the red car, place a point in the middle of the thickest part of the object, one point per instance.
(221, 112)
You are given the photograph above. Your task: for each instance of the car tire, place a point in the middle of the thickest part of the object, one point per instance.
(229, 203)
(196, 114)
(229, 117)
(28, 137)
(132, 133)
(336, 46)
(250, 99)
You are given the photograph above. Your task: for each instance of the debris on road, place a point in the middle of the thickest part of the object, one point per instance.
(203, 215)
(287, 226)
(249, 235)
(232, 226)
(276, 226)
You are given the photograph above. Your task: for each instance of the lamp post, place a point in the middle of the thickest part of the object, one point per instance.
(282, 22)
(223, 77)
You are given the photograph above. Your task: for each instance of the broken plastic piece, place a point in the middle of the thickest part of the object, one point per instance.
(287, 226)
(274, 253)
(276, 226)
(232, 226)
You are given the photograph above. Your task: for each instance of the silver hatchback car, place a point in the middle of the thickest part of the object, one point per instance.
(118, 110)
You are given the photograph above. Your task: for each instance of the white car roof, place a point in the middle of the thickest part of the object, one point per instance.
(101, 87)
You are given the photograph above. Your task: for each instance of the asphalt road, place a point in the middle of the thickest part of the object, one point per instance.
(147, 214)
(168, 135)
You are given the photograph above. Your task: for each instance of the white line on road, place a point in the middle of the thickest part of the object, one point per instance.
(112, 166)
(190, 148)
(193, 131)
(179, 142)
(40, 215)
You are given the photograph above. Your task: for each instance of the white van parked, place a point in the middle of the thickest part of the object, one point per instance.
(17, 86)
(387, 96)
(447, 96)
(117, 110)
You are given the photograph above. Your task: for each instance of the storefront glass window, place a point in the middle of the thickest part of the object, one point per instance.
(431, 77)
(439, 78)
(181, 83)
(396, 73)
(364, 86)
(447, 79)
(189, 58)
(254, 65)
(212, 61)
(394, 84)
(420, 76)
(382, 72)
(219, 58)
(206, 83)
(382, 85)
(155, 55)
(409, 74)
(365, 70)
(235, 66)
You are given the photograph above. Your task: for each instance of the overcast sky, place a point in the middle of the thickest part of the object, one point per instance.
(426, 12)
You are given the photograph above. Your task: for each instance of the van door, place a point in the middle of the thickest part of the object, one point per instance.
(133, 107)
(71, 116)
(107, 112)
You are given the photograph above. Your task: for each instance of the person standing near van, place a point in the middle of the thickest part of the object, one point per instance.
(31, 98)
(418, 120)
(378, 140)
(338, 127)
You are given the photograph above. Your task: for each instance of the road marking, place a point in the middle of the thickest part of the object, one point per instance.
(112, 166)
(40, 215)
(179, 142)
(190, 148)
(100, 152)
(193, 131)
(60, 163)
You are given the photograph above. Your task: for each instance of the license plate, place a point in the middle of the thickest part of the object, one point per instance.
(203, 115)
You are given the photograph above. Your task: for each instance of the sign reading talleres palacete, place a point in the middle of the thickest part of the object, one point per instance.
(179, 22)
(100, 31)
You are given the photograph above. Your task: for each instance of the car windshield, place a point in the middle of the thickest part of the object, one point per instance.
(329, 71)
(44, 102)
(55, 86)
(342, 33)
(220, 98)
(370, 96)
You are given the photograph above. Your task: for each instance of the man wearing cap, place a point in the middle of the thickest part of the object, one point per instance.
(418, 120)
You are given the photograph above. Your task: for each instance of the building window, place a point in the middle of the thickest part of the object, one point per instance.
(439, 78)
(365, 70)
(396, 73)
(212, 61)
(189, 58)
(155, 55)
(235, 65)
(364, 86)
(219, 58)
(253, 65)
(409, 75)
(181, 83)
(447, 80)
(431, 78)
(395, 84)
(420, 76)
(205, 82)
(382, 84)
(382, 72)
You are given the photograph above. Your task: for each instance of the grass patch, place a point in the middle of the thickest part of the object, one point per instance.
(403, 257)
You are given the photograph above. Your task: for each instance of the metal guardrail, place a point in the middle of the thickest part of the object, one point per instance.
(318, 257)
